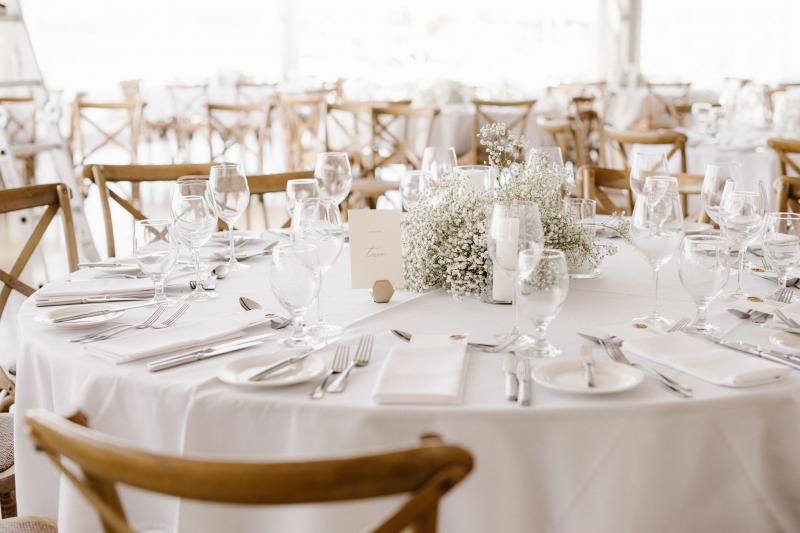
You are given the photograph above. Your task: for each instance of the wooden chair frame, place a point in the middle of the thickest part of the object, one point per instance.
(254, 93)
(299, 126)
(518, 125)
(427, 473)
(20, 128)
(782, 148)
(789, 195)
(353, 121)
(81, 110)
(53, 196)
(252, 121)
(402, 147)
(657, 102)
(595, 179)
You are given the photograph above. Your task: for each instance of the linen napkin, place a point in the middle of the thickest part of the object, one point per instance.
(430, 370)
(705, 360)
(152, 342)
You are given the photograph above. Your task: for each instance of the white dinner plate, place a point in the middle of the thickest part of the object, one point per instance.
(788, 341)
(693, 228)
(566, 375)
(238, 371)
(48, 317)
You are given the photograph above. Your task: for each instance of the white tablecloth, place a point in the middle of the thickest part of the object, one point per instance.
(644, 460)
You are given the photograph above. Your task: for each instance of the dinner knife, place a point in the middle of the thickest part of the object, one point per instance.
(198, 354)
(289, 361)
(524, 378)
(588, 364)
(406, 336)
(782, 358)
(131, 297)
(512, 384)
(101, 312)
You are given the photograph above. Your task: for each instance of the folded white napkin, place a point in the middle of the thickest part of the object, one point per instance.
(430, 370)
(152, 342)
(706, 360)
(95, 287)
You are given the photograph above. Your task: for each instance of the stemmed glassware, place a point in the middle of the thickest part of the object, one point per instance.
(156, 252)
(512, 227)
(782, 244)
(317, 224)
(437, 162)
(300, 189)
(584, 212)
(656, 231)
(741, 216)
(411, 188)
(644, 165)
(231, 195)
(704, 271)
(550, 155)
(294, 285)
(716, 177)
(195, 221)
(480, 177)
(541, 286)
(333, 176)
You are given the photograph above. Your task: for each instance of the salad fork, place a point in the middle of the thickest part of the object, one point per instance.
(363, 354)
(340, 361)
(171, 320)
(149, 321)
(616, 354)
(108, 331)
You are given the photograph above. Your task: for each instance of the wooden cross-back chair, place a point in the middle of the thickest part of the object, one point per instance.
(783, 148)
(660, 108)
(302, 118)
(602, 184)
(248, 92)
(89, 118)
(399, 135)
(53, 196)
(244, 126)
(98, 463)
(518, 125)
(789, 196)
(188, 114)
(20, 128)
(348, 129)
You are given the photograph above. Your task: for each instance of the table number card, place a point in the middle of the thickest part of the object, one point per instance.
(375, 247)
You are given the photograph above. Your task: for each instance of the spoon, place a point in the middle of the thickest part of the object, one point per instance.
(220, 271)
(277, 322)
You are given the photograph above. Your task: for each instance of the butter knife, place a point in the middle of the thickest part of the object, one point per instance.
(782, 358)
(588, 364)
(199, 354)
(524, 378)
(509, 369)
(132, 297)
(102, 312)
(289, 361)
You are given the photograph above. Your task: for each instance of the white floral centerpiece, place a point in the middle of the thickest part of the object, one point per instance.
(444, 235)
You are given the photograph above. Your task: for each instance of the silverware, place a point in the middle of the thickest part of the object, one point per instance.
(142, 325)
(172, 319)
(490, 348)
(598, 340)
(679, 325)
(757, 317)
(199, 354)
(785, 295)
(775, 356)
(587, 364)
(340, 360)
(524, 378)
(102, 312)
(289, 361)
(276, 321)
(615, 353)
(509, 369)
(362, 356)
(45, 301)
(783, 317)
(106, 264)
(241, 256)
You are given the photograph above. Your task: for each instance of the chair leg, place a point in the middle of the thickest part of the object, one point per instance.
(8, 504)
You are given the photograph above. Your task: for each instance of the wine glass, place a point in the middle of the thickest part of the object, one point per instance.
(541, 286)
(511, 228)
(411, 188)
(644, 165)
(300, 189)
(480, 177)
(717, 176)
(782, 245)
(437, 162)
(584, 212)
(156, 251)
(333, 176)
(230, 194)
(548, 155)
(741, 216)
(317, 223)
(704, 271)
(195, 221)
(656, 231)
(294, 285)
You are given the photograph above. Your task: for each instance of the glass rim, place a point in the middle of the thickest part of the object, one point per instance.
(473, 167)
(301, 180)
(309, 201)
(191, 177)
(439, 147)
(291, 245)
(783, 215)
(320, 154)
(226, 164)
(551, 253)
(155, 221)
(706, 238)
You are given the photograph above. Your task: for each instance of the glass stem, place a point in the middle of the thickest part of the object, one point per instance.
(233, 252)
(319, 300)
(655, 292)
(700, 320)
(196, 258)
(739, 289)
(159, 295)
(514, 308)
(297, 328)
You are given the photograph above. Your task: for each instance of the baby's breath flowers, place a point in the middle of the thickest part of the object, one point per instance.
(444, 235)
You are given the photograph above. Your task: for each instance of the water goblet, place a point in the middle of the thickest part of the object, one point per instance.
(541, 286)
(300, 189)
(741, 216)
(584, 212)
(437, 162)
(717, 176)
(333, 176)
(480, 177)
(548, 155)
(156, 251)
(295, 286)
(411, 188)
(644, 165)
(782, 245)
(195, 221)
(230, 195)
(704, 271)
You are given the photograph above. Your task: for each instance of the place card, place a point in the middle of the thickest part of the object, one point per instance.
(375, 247)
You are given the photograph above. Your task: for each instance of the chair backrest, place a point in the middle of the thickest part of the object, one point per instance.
(789, 196)
(188, 101)
(597, 182)
(348, 129)
(302, 118)
(399, 135)
(244, 126)
(783, 149)
(660, 110)
(621, 141)
(53, 196)
(426, 473)
(20, 127)
(255, 93)
(113, 123)
(484, 114)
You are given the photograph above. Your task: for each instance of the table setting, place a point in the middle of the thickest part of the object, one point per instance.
(656, 355)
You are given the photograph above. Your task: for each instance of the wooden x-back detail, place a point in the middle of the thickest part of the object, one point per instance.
(86, 113)
(53, 196)
(243, 125)
(96, 463)
(399, 134)
(21, 125)
(789, 197)
(349, 124)
(302, 120)
(518, 125)
(659, 103)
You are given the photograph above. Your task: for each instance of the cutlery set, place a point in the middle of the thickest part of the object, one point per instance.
(342, 366)
(149, 322)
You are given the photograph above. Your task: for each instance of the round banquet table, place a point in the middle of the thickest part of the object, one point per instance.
(643, 460)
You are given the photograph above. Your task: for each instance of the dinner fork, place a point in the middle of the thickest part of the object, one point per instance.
(616, 354)
(679, 325)
(786, 319)
(363, 353)
(340, 361)
(785, 295)
(149, 321)
(171, 320)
